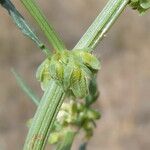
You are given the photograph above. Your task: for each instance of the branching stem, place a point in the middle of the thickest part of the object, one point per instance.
(101, 25)
(54, 96)
(49, 31)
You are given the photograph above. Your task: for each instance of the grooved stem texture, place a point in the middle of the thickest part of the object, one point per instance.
(44, 118)
(101, 25)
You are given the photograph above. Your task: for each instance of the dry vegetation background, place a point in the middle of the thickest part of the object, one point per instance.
(124, 80)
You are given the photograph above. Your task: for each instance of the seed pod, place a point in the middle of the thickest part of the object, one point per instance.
(145, 4)
(54, 137)
(76, 75)
(68, 71)
(43, 75)
(41, 69)
(141, 5)
(71, 69)
(80, 86)
(88, 59)
(64, 57)
(56, 70)
(93, 114)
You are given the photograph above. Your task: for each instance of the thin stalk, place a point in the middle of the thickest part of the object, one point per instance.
(101, 25)
(31, 94)
(67, 141)
(83, 146)
(49, 31)
(23, 25)
(45, 115)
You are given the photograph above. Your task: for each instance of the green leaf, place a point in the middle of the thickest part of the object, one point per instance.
(26, 88)
(49, 31)
(22, 24)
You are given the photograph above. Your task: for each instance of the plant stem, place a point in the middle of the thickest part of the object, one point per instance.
(23, 25)
(54, 95)
(67, 141)
(49, 31)
(101, 25)
(83, 146)
(26, 88)
(45, 115)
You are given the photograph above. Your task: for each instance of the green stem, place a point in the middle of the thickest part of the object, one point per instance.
(49, 31)
(23, 85)
(23, 25)
(54, 96)
(67, 141)
(101, 25)
(44, 118)
(83, 146)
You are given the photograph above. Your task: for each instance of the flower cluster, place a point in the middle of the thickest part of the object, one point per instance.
(70, 69)
(75, 115)
(140, 5)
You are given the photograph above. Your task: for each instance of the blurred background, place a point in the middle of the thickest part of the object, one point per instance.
(124, 80)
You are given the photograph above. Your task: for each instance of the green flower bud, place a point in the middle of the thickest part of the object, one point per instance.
(145, 4)
(54, 138)
(88, 59)
(93, 92)
(65, 106)
(89, 133)
(74, 108)
(80, 107)
(76, 114)
(93, 114)
(68, 71)
(88, 128)
(80, 86)
(140, 5)
(71, 69)
(43, 75)
(56, 71)
(62, 115)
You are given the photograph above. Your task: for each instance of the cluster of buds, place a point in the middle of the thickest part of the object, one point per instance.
(75, 71)
(140, 5)
(70, 69)
(75, 115)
